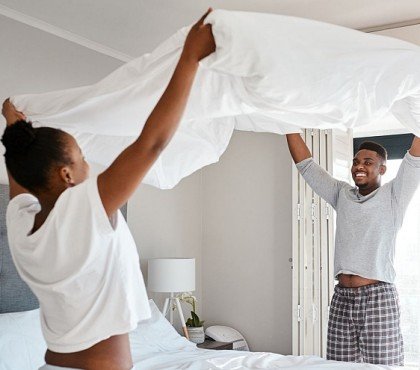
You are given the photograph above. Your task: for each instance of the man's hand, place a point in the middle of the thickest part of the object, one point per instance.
(415, 147)
(200, 41)
(11, 114)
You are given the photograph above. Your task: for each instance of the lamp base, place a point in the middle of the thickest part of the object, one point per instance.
(168, 306)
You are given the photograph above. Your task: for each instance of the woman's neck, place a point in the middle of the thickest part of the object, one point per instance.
(47, 202)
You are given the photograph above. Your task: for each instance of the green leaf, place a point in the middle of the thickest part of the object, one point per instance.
(195, 318)
(194, 321)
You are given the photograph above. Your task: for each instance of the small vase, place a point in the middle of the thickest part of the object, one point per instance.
(196, 334)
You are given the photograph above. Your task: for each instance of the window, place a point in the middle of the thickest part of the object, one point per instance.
(407, 259)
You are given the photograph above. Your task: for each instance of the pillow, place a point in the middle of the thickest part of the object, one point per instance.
(157, 335)
(15, 295)
(22, 345)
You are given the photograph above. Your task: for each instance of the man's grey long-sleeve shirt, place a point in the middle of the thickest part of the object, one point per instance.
(367, 226)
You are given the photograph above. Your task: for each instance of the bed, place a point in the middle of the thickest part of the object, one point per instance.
(154, 343)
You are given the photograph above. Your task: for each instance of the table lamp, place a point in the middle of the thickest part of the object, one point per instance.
(171, 275)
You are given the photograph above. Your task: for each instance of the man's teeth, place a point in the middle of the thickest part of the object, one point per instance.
(360, 174)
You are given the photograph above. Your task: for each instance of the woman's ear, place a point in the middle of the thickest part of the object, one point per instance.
(66, 176)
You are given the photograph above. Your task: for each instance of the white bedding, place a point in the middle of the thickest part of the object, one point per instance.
(154, 345)
(200, 359)
(270, 73)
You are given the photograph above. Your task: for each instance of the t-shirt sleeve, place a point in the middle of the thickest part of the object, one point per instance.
(320, 181)
(23, 203)
(20, 214)
(405, 183)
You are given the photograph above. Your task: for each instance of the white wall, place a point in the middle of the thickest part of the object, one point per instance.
(247, 276)
(168, 223)
(234, 217)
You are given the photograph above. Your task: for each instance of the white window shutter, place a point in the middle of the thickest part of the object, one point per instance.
(313, 242)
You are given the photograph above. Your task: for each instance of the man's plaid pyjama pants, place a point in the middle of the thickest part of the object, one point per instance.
(364, 325)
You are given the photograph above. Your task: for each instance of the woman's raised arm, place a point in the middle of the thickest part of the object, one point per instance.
(119, 181)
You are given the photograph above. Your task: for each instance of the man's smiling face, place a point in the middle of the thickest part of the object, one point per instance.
(367, 170)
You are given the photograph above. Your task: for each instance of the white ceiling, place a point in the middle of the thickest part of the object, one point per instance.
(133, 26)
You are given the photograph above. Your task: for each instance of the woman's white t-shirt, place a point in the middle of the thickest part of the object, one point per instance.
(82, 266)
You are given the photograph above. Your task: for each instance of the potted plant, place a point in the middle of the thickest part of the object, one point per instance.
(194, 324)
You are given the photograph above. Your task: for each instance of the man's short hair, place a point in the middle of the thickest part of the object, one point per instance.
(378, 148)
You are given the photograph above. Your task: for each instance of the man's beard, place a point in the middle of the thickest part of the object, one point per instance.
(363, 186)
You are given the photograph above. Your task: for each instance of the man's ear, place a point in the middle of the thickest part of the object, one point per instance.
(66, 175)
(382, 169)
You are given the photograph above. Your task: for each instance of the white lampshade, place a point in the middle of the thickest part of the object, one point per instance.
(171, 275)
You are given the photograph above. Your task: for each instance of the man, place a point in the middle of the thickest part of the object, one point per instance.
(364, 322)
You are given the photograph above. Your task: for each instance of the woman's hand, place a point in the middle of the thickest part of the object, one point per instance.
(200, 41)
(11, 114)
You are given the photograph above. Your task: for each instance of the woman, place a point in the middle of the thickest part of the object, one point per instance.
(67, 238)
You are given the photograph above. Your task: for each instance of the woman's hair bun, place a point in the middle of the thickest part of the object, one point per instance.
(18, 137)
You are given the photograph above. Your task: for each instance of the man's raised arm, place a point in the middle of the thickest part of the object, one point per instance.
(317, 178)
(297, 147)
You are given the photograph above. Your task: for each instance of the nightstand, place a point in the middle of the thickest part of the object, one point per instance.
(212, 344)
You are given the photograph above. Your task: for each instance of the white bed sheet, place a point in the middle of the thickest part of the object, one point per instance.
(200, 359)
(270, 73)
(154, 345)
